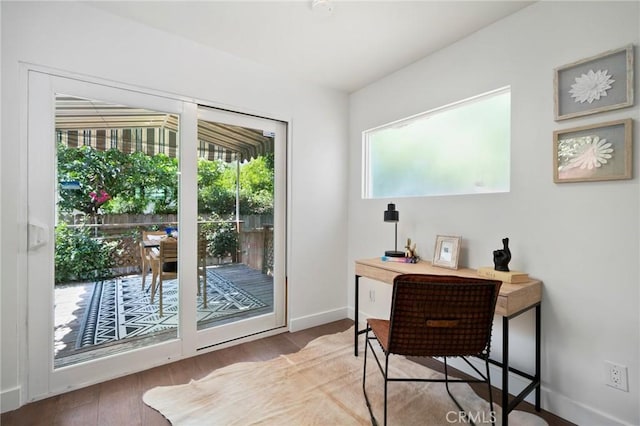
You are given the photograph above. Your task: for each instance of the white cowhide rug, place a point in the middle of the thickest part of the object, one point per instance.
(319, 385)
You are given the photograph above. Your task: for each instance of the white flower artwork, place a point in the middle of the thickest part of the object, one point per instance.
(588, 152)
(591, 86)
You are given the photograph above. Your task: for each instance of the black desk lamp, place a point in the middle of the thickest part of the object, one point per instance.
(392, 215)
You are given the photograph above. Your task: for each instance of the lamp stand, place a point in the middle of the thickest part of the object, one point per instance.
(395, 253)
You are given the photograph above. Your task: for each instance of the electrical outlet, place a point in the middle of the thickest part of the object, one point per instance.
(372, 295)
(616, 376)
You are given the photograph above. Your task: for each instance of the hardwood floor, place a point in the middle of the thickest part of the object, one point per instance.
(119, 401)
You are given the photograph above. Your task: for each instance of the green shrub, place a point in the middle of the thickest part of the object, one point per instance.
(79, 256)
(221, 236)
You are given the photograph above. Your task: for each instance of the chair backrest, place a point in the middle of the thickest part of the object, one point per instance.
(168, 250)
(434, 315)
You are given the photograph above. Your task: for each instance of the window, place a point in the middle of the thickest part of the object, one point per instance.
(462, 148)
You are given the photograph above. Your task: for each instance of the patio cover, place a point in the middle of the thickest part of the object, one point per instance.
(105, 126)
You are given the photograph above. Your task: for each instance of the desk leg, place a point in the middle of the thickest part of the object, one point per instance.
(505, 371)
(538, 338)
(356, 316)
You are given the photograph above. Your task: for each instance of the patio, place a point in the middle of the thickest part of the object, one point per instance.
(77, 311)
(117, 171)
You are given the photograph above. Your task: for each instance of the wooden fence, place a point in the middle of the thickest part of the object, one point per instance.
(255, 247)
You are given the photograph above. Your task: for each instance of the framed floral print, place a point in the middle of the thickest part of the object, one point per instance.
(593, 153)
(600, 83)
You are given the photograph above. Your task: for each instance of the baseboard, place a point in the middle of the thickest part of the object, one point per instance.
(10, 400)
(362, 317)
(320, 318)
(576, 412)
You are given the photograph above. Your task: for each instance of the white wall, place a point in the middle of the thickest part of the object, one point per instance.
(81, 39)
(580, 239)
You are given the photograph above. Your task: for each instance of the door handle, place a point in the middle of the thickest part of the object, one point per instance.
(38, 235)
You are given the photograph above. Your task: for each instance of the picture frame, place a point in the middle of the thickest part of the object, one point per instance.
(446, 251)
(603, 82)
(596, 152)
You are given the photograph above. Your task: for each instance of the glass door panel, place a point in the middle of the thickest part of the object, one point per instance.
(103, 170)
(116, 285)
(237, 204)
(117, 200)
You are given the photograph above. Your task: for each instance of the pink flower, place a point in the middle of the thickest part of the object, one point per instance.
(101, 199)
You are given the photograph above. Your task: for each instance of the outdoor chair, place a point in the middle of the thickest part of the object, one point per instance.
(145, 251)
(163, 267)
(434, 316)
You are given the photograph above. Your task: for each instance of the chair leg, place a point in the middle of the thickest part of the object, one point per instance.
(143, 269)
(364, 379)
(154, 279)
(204, 289)
(488, 379)
(446, 382)
(491, 412)
(160, 294)
(386, 382)
(153, 289)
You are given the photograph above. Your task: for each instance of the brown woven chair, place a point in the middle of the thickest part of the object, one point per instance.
(434, 316)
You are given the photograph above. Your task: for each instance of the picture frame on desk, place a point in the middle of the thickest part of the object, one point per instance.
(446, 251)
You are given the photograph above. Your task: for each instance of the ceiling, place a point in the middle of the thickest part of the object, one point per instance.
(356, 44)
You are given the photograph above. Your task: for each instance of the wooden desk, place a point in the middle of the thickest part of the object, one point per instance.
(513, 300)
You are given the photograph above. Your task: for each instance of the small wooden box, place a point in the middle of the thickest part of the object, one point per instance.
(512, 277)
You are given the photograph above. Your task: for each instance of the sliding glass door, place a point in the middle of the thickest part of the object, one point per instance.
(156, 230)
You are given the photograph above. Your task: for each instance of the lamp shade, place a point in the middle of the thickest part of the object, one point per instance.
(391, 214)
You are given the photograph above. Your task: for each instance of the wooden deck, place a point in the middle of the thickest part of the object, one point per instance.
(72, 301)
(253, 282)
